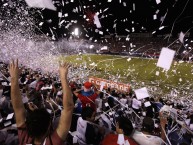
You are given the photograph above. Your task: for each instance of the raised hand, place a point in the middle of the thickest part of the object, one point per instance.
(14, 69)
(16, 98)
(63, 70)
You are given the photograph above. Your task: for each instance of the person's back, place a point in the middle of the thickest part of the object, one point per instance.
(111, 139)
(123, 99)
(38, 123)
(87, 96)
(145, 137)
(86, 131)
(125, 129)
(136, 104)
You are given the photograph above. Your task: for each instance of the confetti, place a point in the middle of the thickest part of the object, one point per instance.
(96, 21)
(41, 4)
(154, 17)
(158, 1)
(59, 14)
(157, 73)
(141, 93)
(166, 58)
(181, 37)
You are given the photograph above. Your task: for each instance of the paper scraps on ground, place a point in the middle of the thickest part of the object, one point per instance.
(166, 57)
(41, 4)
(141, 93)
(157, 73)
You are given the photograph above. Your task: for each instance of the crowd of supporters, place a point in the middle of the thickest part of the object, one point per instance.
(47, 109)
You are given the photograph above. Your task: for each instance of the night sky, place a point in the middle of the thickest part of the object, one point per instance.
(118, 17)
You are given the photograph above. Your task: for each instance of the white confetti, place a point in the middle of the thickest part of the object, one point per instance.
(155, 17)
(157, 73)
(181, 37)
(158, 1)
(59, 14)
(141, 93)
(41, 4)
(96, 21)
(166, 58)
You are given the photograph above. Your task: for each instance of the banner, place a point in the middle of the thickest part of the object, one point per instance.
(109, 84)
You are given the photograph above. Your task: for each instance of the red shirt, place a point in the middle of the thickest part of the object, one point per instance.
(88, 100)
(111, 139)
(24, 138)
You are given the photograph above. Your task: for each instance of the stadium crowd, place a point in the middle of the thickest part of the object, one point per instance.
(47, 109)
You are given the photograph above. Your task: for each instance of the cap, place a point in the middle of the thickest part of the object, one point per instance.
(87, 85)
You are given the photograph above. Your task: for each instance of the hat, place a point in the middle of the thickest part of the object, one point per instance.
(87, 85)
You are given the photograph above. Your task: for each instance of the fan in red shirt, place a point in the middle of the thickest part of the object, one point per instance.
(87, 96)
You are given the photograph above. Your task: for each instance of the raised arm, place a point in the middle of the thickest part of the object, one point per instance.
(16, 94)
(76, 92)
(68, 105)
(163, 122)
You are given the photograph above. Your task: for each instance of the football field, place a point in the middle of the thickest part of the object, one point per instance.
(139, 72)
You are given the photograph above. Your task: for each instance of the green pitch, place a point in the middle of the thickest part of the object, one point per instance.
(139, 72)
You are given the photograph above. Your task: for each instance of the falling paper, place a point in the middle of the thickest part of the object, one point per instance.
(133, 6)
(141, 93)
(10, 116)
(41, 4)
(181, 37)
(160, 28)
(154, 17)
(59, 14)
(104, 48)
(7, 123)
(147, 104)
(166, 58)
(49, 111)
(144, 113)
(101, 32)
(96, 21)
(158, 1)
